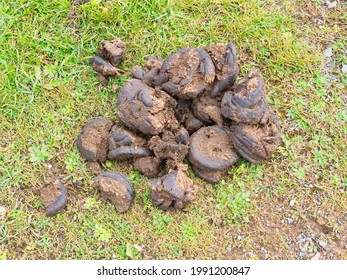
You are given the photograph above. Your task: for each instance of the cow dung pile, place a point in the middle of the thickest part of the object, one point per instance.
(187, 106)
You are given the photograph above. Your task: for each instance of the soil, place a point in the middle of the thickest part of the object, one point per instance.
(93, 140)
(247, 104)
(173, 190)
(211, 149)
(113, 51)
(149, 166)
(54, 196)
(257, 142)
(117, 188)
(186, 73)
(227, 69)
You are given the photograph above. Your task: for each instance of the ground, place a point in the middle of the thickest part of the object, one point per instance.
(293, 206)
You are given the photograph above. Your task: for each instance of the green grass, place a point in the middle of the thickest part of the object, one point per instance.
(48, 92)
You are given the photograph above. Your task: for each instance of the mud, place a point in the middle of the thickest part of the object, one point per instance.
(54, 196)
(117, 188)
(173, 190)
(94, 138)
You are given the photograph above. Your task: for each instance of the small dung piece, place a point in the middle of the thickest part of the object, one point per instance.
(256, 143)
(192, 123)
(247, 104)
(145, 109)
(113, 51)
(186, 73)
(149, 166)
(210, 176)
(121, 136)
(128, 152)
(124, 144)
(93, 140)
(207, 109)
(117, 188)
(149, 72)
(173, 190)
(211, 148)
(94, 167)
(227, 69)
(167, 148)
(103, 67)
(54, 197)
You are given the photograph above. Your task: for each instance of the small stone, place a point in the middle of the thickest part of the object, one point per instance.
(328, 52)
(305, 246)
(316, 256)
(301, 254)
(319, 22)
(290, 220)
(2, 210)
(344, 69)
(331, 5)
(291, 203)
(138, 248)
(323, 244)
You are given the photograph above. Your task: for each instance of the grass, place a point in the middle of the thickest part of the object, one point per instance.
(48, 92)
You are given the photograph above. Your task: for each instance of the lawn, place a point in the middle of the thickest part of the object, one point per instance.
(293, 206)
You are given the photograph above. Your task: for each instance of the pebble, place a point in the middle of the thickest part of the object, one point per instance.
(290, 220)
(2, 210)
(291, 203)
(316, 256)
(328, 52)
(322, 243)
(331, 5)
(344, 69)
